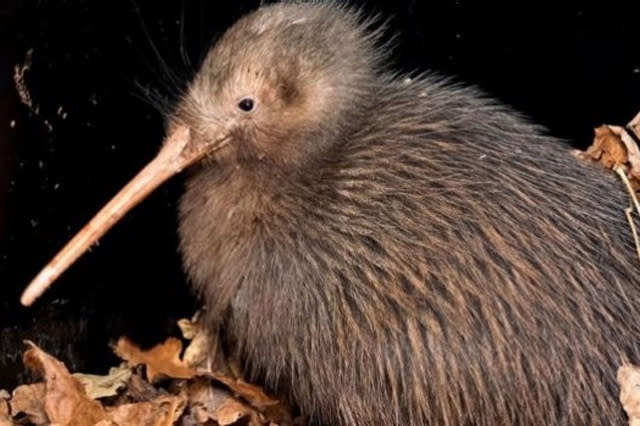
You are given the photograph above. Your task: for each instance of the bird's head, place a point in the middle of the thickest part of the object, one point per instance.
(281, 87)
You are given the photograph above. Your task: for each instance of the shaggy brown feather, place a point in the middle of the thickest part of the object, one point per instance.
(388, 252)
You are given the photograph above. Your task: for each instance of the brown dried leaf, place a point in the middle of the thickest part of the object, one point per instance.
(251, 393)
(140, 390)
(615, 148)
(207, 402)
(231, 411)
(607, 147)
(4, 405)
(163, 411)
(632, 129)
(197, 353)
(161, 360)
(29, 399)
(190, 328)
(104, 386)
(65, 400)
(5, 418)
(629, 381)
(204, 353)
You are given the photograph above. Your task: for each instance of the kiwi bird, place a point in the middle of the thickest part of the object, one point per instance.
(390, 251)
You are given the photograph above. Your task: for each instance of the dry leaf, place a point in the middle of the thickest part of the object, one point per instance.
(251, 393)
(231, 411)
(210, 403)
(5, 418)
(272, 409)
(103, 386)
(614, 147)
(161, 360)
(139, 390)
(4, 405)
(29, 400)
(629, 381)
(607, 148)
(196, 355)
(627, 136)
(65, 400)
(163, 411)
(204, 354)
(190, 328)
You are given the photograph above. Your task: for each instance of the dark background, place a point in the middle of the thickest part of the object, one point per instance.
(570, 67)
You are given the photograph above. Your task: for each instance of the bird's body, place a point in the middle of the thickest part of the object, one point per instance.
(439, 262)
(447, 265)
(391, 252)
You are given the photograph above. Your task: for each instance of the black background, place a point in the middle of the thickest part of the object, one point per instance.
(568, 65)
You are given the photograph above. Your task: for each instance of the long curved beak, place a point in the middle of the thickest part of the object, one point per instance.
(176, 154)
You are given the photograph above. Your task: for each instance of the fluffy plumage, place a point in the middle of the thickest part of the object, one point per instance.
(400, 252)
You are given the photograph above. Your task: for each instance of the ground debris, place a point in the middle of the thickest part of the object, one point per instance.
(104, 386)
(629, 381)
(65, 400)
(616, 147)
(154, 387)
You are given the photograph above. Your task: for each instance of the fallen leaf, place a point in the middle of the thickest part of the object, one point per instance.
(629, 135)
(190, 328)
(5, 418)
(231, 411)
(161, 360)
(65, 399)
(196, 355)
(104, 386)
(204, 352)
(139, 390)
(615, 147)
(163, 411)
(29, 400)
(629, 381)
(4, 405)
(251, 393)
(207, 403)
(607, 147)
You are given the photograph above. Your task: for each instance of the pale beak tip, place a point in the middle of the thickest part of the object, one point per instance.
(38, 286)
(28, 297)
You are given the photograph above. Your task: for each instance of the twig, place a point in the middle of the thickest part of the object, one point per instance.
(620, 170)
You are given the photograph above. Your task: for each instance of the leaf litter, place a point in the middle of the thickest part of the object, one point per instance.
(160, 386)
(617, 148)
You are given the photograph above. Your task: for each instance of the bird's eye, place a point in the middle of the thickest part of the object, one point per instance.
(247, 104)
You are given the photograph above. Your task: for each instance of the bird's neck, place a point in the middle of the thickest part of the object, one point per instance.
(237, 199)
(227, 218)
